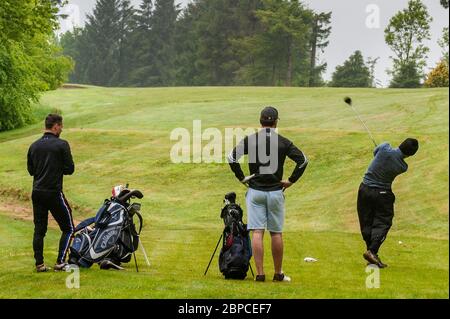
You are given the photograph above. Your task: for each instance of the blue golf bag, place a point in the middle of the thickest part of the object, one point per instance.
(113, 238)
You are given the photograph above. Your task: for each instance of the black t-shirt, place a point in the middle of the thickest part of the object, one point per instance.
(267, 152)
(49, 158)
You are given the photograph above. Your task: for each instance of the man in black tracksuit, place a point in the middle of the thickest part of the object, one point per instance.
(375, 197)
(49, 158)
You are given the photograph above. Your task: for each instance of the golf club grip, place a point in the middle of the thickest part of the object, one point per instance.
(133, 193)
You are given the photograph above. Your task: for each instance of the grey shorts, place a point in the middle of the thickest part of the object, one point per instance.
(265, 210)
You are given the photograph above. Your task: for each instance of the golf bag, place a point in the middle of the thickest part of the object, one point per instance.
(234, 258)
(113, 238)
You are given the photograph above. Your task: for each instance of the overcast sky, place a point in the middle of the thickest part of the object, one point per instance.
(354, 27)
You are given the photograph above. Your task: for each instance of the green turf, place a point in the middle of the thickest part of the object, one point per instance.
(122, 135)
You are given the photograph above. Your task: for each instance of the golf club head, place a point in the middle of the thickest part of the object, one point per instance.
(348, 100)
(230, 198)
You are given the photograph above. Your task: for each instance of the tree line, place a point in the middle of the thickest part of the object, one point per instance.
(210, 42)
(405, 35)
(235, 42)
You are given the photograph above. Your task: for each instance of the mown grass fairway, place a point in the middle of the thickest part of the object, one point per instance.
(121, 136)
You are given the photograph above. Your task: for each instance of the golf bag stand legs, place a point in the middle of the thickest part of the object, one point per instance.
(251, 269)
(144, 252)
(213, 254)
(134, 254)
(135, 262)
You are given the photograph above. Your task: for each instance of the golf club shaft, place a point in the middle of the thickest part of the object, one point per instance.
(145, 254)
(251, 269)
(365, 126)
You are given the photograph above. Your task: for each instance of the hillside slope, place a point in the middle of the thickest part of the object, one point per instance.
(122, 136)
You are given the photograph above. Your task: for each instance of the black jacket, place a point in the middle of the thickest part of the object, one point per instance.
(49, 158)
(269, 180)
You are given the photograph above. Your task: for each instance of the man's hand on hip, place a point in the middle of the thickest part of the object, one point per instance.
(286, 184)
(247, 179)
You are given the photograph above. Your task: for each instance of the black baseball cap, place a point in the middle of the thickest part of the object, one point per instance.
(409, 147)
(269, 115)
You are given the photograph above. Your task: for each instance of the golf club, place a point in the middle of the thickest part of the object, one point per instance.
(145, 253)
(348, 100)
(134, 255)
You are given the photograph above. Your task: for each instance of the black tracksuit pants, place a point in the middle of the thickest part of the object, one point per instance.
(56, 203)
(375, 212)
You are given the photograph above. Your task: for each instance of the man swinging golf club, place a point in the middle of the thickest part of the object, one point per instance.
(267, 152)
(375, 197)
(49, 158)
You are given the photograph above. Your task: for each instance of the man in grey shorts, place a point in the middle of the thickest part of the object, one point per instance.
(267, 151)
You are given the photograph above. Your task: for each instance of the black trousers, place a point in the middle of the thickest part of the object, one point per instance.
(375, 212)
(56, 203)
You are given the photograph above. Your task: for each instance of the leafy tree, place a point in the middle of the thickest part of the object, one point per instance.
(18, 86)
(186, 46)
(111, 43)
(321, 30)
(353, 73)
(30, 61)
(246, 24)
(126, 25)
(405, 35)
(219, 25)
(438, 77)
(162, 35)
(443, 43)
(102, 34)
(371, 64)
(102, 49)
(209, 33)
(141, 58)
(289, 21)
(210, 42)
(280, 51)
(444, 3)
(71, 43)
(53, 66)
(407, 75)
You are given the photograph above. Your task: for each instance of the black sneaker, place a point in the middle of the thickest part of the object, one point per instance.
(42, 268)
(370, 257)
(260, 278)
(61, 267)
(108, 264)
(373, 259)
(281, 277)
(380, 263)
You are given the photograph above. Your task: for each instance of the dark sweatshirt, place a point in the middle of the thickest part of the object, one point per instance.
(268, 171)
(387, 164)
(49, 158)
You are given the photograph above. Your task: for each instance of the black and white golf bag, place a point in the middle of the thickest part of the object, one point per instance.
(113, 238)
(236, 252)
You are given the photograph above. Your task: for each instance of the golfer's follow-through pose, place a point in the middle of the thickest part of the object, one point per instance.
(375, 196)
(267, 152)
(49, 158)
